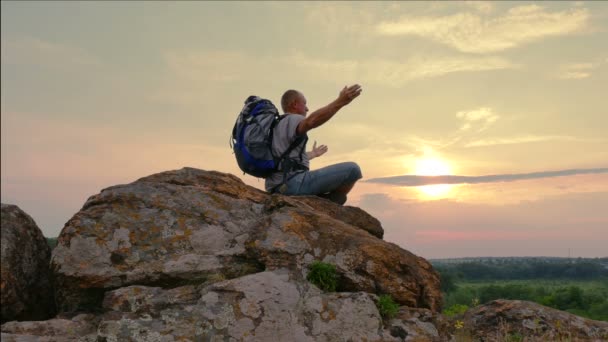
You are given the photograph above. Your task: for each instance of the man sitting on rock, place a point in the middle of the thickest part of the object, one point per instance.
(332, 182)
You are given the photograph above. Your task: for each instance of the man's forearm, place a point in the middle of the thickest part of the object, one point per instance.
(322, 115)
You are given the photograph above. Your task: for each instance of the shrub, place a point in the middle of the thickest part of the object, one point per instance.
(387, 306)
(323, 275)
(455, 310)
(52, 242)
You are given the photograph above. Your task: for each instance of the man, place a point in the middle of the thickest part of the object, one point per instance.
(332, 182)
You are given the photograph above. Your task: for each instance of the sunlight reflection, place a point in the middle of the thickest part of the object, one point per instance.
(436, 191)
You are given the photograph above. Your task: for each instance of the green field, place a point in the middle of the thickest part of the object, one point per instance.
(547, 283)
(584, 298)
(576, 286)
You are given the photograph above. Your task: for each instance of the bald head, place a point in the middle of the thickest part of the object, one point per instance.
(294, 102)
(289, 97)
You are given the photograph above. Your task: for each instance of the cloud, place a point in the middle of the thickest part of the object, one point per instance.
(576, 71)
(375, 201)
(546, 225)
(527, 139)
(472, 33)
(483, 117)
(335, 19)
(31, 50)
(396, 72)
(416, 180)
(224, 67)
(443, 235)
(480, 6)
(216, 65)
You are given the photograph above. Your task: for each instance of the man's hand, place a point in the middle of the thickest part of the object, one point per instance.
(321, 115)
(349, 93)
(316, 151)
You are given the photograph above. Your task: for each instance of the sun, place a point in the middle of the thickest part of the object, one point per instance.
(433, 167)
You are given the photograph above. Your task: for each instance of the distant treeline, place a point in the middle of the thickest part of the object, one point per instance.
(52, 242)
(590, 301)
(522, 269)
(580, 286)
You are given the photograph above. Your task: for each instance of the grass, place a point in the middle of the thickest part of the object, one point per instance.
(387, 306)
(580, 297)
(455, 310)
(323, 275)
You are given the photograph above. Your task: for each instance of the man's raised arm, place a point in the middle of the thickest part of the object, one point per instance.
(321, 115)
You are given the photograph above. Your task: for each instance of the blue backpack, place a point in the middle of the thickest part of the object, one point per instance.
(252, 139)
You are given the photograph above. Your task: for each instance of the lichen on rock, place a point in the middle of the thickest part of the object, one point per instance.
(26, 285)
(195, 227)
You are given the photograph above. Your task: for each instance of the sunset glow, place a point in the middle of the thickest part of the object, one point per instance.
(505, 99)
(433, 167)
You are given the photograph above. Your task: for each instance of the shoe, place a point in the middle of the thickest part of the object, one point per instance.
(335, 197)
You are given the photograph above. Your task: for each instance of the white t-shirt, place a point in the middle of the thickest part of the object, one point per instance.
(284, 135)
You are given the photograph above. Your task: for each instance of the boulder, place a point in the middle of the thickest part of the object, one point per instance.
(26, 291)
(505, 320)
(81, 328)
(264, 306)
(195, 227)
(193, 255)
(414, 324)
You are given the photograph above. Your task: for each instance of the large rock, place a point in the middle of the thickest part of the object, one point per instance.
(26, 291)
(264, 306)
(190, 255)
(82, 327)
(503, 320)
(193, 227)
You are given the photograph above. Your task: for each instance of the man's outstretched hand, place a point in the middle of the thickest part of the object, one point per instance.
(317, 151)
(349, 93)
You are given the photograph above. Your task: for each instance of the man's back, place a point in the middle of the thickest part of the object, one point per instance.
(284, 135)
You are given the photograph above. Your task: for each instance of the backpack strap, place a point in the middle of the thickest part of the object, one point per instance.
(289, 164)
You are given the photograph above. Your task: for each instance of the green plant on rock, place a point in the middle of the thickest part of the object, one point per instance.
(455, 310)
(323, 275)
(514, 337)
(387, 306)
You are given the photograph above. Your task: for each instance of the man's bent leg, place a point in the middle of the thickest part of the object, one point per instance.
(335, 181)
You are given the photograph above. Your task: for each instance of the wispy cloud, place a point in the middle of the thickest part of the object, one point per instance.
(472, 33)
(448, 228)
(32, 50)
(450, 235)
(480, 6)
(396, 72)
(478, 119)
(416, 180)
(216, 65)
(231, 66)
(576, 71)
(527, 139)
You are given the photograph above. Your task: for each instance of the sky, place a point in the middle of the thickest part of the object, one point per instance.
(504, 103)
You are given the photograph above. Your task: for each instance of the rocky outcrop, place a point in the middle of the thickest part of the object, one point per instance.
(413, 324)
(503, 320)
(193, 227)
(264, 306)
(192, 255)
(26, 291)
(82, 328)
